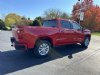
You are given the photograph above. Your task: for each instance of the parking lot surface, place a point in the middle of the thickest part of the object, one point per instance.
(65, 60)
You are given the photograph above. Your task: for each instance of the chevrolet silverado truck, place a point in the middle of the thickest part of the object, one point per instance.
(53, 32)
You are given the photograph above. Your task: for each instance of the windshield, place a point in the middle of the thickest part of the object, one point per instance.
(50, 23)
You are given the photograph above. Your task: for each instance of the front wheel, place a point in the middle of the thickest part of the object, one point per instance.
(86, 42)
(42, 48)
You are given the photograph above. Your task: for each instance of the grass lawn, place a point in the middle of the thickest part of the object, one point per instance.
(96, 33)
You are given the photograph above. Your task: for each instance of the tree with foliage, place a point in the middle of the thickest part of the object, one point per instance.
(23, 18)
(36, 23)
(86, 4)
(11, 19)
(92, 18)
(40, 19)
(2, 25)
(24, 21)
(55, 13)
(91, 14)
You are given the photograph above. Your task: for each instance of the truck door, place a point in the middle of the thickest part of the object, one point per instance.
(79, 35)
(66, 32)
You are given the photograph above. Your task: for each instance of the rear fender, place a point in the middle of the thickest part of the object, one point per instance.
(50, 40)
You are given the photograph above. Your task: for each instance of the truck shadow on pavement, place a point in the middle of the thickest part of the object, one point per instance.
(14, 60)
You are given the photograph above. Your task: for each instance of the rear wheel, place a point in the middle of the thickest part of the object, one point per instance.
(42, 48)
(86, 42)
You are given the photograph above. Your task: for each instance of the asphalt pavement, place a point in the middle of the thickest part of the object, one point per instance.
(64, 60)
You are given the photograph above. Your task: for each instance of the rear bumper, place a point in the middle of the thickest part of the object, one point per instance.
(17, 45)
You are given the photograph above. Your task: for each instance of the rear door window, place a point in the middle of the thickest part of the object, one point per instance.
(50, 23)
(65, 24)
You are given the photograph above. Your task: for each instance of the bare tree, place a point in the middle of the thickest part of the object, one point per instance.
(55, 13)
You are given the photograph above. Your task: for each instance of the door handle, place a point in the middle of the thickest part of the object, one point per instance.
(62, 31)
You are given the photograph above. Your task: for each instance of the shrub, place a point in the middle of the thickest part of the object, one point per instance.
(36, 23)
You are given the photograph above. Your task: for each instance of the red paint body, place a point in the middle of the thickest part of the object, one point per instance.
(28, 35)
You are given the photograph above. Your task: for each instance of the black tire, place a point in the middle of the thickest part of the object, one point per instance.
(86, 42)
(39, 51)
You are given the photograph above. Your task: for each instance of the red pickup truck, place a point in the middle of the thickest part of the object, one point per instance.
(54, 32)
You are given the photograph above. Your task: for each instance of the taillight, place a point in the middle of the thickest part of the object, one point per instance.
(18, 31)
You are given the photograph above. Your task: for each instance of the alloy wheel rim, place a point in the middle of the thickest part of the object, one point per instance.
(87, 42)
(44, 49)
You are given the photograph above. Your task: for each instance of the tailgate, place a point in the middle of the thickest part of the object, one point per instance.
(17, 32)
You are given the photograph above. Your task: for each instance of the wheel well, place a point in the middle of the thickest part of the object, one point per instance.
(45, 38)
